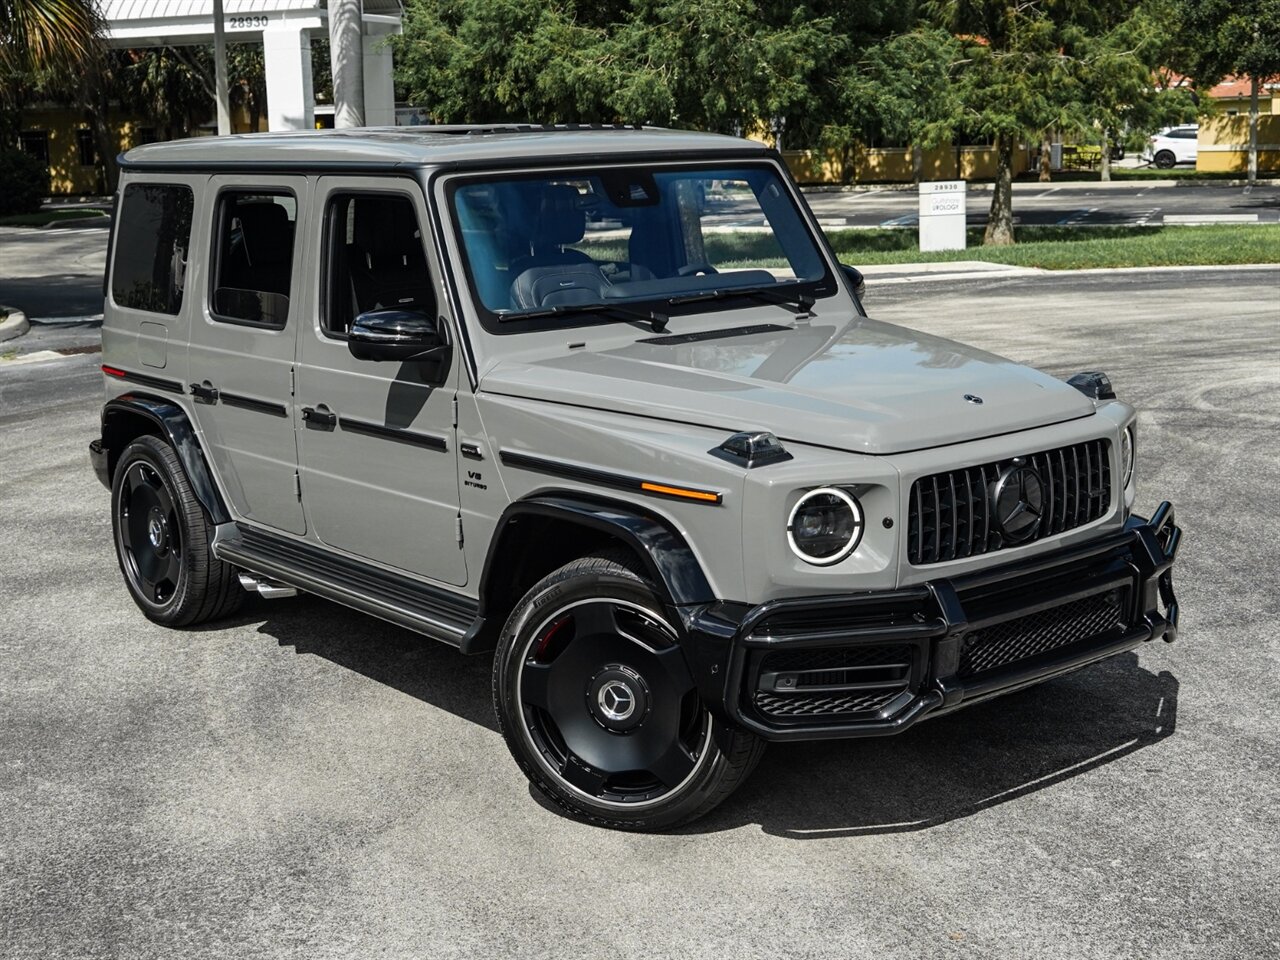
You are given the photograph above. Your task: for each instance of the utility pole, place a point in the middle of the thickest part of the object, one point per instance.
(346, 57)
(221, 90)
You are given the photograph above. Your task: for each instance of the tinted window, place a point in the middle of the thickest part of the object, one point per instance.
(151, 243)
(375, 259)
(253, 257)
(608, 236)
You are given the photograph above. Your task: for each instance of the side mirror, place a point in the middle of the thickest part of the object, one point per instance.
(396, 335)
(856, 280)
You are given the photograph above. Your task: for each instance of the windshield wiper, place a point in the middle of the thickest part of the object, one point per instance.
(803, 302)
(657, 321)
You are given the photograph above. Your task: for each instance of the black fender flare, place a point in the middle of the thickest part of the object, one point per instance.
(173, 425)
(668, 559)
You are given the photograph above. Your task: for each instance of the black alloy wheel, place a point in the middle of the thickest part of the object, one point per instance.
(162, 538)
(1165, 159)
(598, 704)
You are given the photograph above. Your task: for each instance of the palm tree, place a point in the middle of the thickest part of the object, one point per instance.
(42, 35)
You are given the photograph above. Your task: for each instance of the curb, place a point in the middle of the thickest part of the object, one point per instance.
(982, 186)
(75, 223)
(1003, 271)
(14, 325)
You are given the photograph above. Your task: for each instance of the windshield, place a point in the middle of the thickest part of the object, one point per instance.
(600, 246)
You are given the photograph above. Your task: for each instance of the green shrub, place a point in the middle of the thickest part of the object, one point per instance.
(24, 182)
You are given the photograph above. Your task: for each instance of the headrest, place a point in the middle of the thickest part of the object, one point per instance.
(268, 234)
(386, 233)
(561, 219)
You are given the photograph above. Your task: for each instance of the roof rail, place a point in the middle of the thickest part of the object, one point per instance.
(480, 129)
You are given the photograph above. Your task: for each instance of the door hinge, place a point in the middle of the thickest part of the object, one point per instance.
(455, 411)
(458, 527)
(297, 484)
(293, 381)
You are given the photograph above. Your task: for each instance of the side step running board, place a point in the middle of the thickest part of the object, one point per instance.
(274, 563)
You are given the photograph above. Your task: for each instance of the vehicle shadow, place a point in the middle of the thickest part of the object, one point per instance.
(424, 669)
(955, 766)
(940, 771)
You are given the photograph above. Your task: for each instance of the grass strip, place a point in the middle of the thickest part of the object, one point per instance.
(1051, 248)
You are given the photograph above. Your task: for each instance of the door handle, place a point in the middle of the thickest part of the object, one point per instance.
(204, 392)
(319, 418)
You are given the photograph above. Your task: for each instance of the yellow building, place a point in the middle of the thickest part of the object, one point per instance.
(861, 164)
(1222, 144)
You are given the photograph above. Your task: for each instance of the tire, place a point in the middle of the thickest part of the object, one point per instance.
(162, 538)
(597, 704)
(1165, 159)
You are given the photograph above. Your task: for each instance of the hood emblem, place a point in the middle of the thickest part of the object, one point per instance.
(973, 399)
(1017, 502)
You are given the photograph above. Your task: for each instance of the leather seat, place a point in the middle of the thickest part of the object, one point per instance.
(387, 263)
(559, 221)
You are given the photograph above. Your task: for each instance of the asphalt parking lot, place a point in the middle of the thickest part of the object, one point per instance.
(305, 782)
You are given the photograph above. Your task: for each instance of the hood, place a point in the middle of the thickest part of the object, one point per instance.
(863, 386)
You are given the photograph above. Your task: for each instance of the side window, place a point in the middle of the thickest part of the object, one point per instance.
(253, 257)
(150, 247)
(374, 259)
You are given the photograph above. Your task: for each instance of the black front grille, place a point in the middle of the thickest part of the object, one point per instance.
(1011, 641)
(949, 515)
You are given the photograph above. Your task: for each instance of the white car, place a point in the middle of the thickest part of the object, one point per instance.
(1172, 145)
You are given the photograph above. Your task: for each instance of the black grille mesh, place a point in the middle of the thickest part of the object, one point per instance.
(949, 514)
(1013, 640)
(833, 704)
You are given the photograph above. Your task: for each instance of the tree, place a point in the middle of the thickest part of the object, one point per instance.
(42, 43)
(1120, 90)
(1010, 76)
(41, 35)
(710, 64)
(1221, 38)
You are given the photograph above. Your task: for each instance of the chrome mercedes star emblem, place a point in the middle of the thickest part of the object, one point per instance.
(616, 700)
(1017, 502)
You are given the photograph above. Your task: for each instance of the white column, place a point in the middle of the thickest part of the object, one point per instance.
(379, 85)
(346, 52)
(222, 93)
(291, 103)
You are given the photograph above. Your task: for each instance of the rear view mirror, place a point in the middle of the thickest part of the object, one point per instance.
(396, 335)
(856, 280)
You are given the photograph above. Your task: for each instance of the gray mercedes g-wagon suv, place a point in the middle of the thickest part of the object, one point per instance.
(600, 403)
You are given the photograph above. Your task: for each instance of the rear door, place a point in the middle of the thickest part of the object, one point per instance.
(377, 439)
(242, 345)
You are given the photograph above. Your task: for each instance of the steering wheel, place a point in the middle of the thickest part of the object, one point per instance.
(696, 270)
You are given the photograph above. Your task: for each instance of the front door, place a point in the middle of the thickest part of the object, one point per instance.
(243, 342)
(377, 439)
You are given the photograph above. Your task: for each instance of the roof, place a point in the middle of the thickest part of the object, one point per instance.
(1233, 88)
(418, 146)
(127, 10)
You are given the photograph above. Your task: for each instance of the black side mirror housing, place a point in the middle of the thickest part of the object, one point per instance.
(396, 335)
(856, 280)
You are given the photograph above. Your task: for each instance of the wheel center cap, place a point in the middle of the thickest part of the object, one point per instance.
(618, 698)
(156, 530)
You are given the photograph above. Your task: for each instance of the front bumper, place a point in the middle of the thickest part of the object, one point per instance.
(875, 663)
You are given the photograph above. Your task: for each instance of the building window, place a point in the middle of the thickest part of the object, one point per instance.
(84, 143)
(151, 246)
(35, 143)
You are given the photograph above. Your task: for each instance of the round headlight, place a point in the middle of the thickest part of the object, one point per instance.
(1128, 454)
(825, 526)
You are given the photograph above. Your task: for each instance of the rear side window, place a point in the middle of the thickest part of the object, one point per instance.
(150, 246)
(253, 257)
(374, 259)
